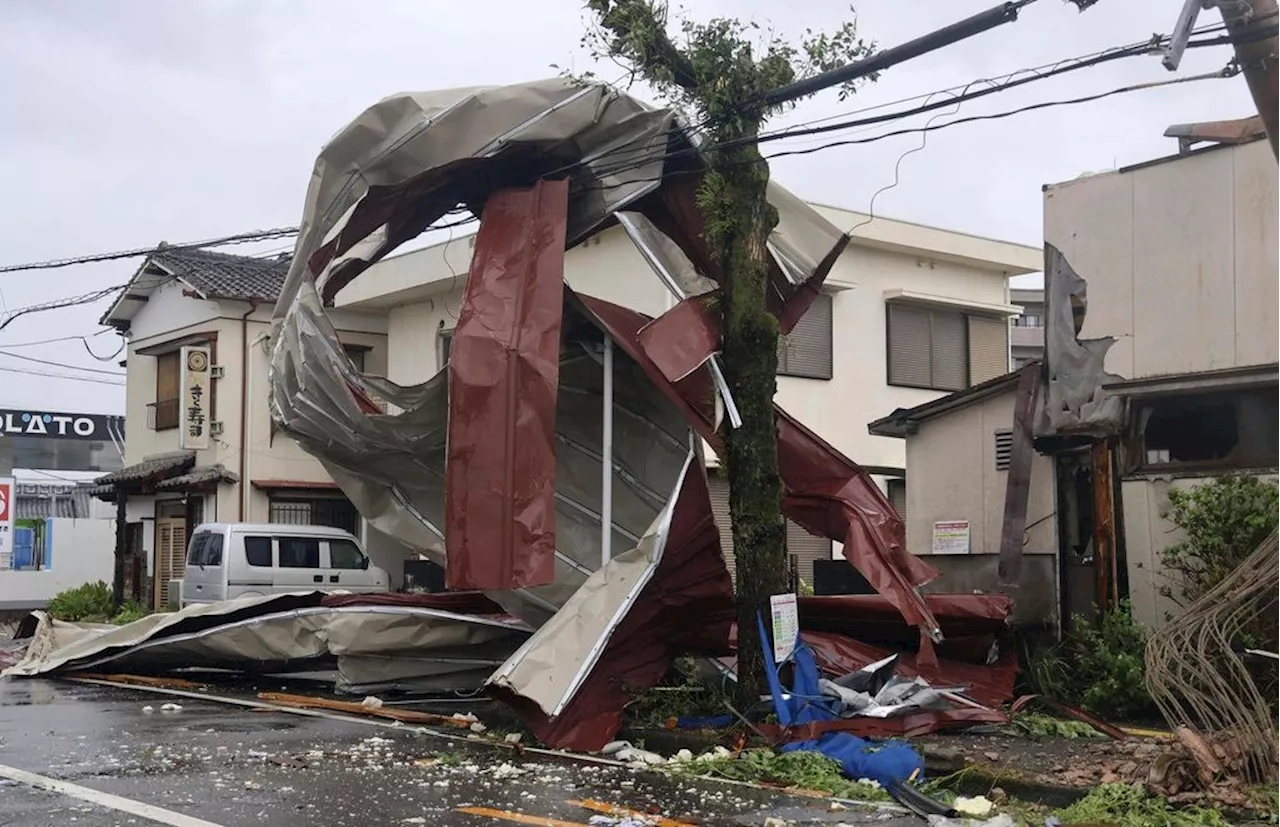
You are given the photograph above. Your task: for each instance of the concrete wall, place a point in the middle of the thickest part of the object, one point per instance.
(952, 475)
(1180, 257)
(82, 552)
(1148, 532)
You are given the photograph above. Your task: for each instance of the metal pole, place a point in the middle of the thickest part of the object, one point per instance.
(606, 457)
(970, 26)
(1247, 22)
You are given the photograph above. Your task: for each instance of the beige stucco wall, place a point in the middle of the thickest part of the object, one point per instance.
(952, 475)
(1180, 257)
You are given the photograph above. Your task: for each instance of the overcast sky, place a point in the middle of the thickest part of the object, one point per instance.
(136, 121)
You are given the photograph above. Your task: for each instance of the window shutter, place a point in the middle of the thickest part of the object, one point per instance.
(167, 377)
(1004, 449)
(719, 489)
(988, 348)
(909, 346)
(898, 497)
(950, 362)
(806, 548)
(806, 350)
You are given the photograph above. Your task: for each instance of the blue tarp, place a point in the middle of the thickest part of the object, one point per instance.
(882, 762)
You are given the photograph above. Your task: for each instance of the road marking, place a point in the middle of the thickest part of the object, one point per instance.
(113, 802)
(617, 810)
(519, 818)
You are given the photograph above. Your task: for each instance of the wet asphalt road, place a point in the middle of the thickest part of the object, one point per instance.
(234, 766)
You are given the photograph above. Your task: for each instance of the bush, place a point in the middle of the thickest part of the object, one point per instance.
(129, 612)
(90, 603)
(1224, 521)
(1100, 667)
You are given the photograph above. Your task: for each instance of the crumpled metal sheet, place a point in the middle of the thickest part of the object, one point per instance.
(500, 507)
(668, 595)
(412, 158)
(283, 633)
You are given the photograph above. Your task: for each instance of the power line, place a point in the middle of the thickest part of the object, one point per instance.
(69, 377)
(60, 364)
(56, 340)
(72, 301)
(238, 238)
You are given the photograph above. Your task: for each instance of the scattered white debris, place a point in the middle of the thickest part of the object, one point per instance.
(506, 770)
(252, 785)
(372, 702)
(413, 820)
(147, 710)
(683, 756)
(772, 821)
(513, 737)
(171, 708)
(478, 727)
(977, 807)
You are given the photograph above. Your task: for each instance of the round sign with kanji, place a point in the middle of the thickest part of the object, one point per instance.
(197, 361)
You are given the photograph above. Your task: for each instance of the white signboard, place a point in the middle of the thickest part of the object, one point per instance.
(7, 504)
(951, 537)
(786, 625)
(194, 413)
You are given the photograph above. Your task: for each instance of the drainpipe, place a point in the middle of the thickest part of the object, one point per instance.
(244, 410)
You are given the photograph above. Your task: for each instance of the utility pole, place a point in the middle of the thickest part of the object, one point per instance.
(1257, 55)
(962, 30)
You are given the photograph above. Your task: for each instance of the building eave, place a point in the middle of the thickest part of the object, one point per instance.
(905, 421)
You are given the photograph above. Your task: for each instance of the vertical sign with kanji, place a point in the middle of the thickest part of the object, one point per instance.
(6, 523)
(194, 414)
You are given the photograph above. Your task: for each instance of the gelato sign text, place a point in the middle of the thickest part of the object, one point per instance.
(19, 423)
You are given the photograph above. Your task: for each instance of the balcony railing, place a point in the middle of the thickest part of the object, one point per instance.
(163, 415)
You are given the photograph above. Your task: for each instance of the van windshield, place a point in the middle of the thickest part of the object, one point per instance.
(206, 550)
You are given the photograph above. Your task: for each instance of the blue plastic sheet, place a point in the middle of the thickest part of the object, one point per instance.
(883, 762)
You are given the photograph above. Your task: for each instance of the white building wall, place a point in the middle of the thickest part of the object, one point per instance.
(83, 551)
(1180, 257)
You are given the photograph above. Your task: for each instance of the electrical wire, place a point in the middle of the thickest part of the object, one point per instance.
(72, 301)
(61, 364)
(69, 377)
(238, 238)
(56, 340)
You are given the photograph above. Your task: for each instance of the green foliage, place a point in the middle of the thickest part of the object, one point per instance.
(1100, 666)
(89, 603)
(1047, 726)
(1125, 804)
(807, 770)
(129, 612)
(1224, 521)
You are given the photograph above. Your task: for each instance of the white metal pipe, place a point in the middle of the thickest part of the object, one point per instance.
(606, 457)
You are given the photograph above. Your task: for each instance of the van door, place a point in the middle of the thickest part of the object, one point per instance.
(205, 578)
(299, 566)
(251, 566)
(348, 567)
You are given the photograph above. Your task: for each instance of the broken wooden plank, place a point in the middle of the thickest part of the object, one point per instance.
(407, 716)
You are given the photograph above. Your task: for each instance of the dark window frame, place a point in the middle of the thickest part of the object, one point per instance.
(165, 410)
(1254, 426)
(784, 345)
(332, 511)
(360, 555)
(271, 551)
(280, 553)
(888, 346)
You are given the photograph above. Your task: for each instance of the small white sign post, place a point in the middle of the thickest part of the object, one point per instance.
(786, 626)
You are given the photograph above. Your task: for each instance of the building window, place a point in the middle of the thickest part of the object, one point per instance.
(1004, 449)
(356, 354)
(344, 554)
(897, 491)
(335, 512)
(1211, 431)
(1028, 320)
(163, 413)
(257, 551)
(944, 350)
(806, 350)
(444, 341)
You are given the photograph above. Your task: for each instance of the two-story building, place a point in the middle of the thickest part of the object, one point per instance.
(1026, 337)
(200, 445)
(907, 314)
(1159, 372)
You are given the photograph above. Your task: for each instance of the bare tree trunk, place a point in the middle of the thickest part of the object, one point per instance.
(750, 351)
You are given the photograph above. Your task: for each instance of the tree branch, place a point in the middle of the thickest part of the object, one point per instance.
(640, 34)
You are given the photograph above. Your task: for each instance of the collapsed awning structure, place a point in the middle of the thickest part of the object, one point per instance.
(557, 459)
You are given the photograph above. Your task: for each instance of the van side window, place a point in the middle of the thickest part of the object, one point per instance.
(344, 554)
(299, 553)
(257, 550)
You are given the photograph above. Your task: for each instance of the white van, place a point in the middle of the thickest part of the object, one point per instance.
(229, 560)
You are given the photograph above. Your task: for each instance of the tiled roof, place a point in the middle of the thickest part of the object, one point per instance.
(226, 276)
(160, 465)
(200, 475)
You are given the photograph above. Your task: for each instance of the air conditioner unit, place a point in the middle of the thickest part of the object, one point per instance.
(218, 372)
(215, 428)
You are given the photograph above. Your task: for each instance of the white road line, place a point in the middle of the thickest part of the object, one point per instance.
(113, 802)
